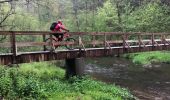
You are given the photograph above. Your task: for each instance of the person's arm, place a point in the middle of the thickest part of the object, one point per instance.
(63, 28)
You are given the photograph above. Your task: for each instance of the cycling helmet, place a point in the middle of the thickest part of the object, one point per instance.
(59, 21)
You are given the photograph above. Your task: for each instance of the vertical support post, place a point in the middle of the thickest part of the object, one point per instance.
(139, 40)
(163, 41)
(152, 39)
(13, 48)
(44, 37)
(51, 47)
(124, 44)
(70, 68)
(105, 38)
(94, 40)
(51, 43)
(81, 43)
(105, 44)
(80, 64)
(74, 67)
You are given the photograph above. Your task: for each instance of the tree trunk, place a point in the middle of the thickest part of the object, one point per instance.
(75, 13)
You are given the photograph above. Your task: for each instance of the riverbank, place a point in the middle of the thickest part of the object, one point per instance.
(46, 81)
(149, 57)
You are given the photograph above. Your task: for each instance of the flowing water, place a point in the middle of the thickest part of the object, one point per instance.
(148, 82)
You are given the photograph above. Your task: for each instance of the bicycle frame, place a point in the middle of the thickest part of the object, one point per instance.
(65, 37)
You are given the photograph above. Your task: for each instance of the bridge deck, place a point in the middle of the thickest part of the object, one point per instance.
(38, 56)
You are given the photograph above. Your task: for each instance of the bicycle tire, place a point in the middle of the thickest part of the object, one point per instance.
(48, 41)
(70, 47)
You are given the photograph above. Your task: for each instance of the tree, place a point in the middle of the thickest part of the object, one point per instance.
(7, 10)
(149, 18)
(107, 19)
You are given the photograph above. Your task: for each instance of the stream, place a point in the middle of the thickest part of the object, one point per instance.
(147, 82)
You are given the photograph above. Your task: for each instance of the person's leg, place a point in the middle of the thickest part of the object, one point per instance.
(56, 36)
(60, 37)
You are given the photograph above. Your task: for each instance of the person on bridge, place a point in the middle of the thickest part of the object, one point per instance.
(58, 27)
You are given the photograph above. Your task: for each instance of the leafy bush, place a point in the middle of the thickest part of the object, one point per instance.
(150, 57)
(29, 82)
(5, 85)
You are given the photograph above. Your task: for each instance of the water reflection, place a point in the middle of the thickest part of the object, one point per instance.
(148, 82)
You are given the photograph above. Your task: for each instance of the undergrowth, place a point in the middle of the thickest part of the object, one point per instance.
(149, 57)
(45, 81)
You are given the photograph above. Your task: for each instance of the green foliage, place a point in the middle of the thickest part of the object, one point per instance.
(5, 85)
(91, 15)
(107, 19)
(150, 57)
(26, 22)
(44, 71)
(27, 83)
(46, 81)
(148, 18)
(86, 16)
(88, 89)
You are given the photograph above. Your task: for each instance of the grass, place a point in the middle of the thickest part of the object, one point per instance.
(149, 57)
(45, 81)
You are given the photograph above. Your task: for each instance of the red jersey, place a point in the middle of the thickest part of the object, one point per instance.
(59, 27)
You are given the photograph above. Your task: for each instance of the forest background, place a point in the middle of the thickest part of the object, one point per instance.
(86, 15)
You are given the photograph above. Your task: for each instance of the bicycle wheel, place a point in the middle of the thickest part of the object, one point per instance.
(48, 46)
(70, 46)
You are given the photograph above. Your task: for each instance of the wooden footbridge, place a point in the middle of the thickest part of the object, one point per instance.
(30, 46)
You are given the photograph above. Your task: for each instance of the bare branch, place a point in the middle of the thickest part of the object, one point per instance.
(5, 26)
(5, 1)
(10, 12)
(7, 15)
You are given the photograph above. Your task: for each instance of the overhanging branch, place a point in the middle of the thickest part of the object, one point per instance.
(5, 1)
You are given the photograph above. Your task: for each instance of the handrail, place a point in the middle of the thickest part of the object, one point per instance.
(87, 44)
(103, 41)
(78, 33)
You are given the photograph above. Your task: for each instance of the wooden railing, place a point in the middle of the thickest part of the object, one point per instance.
(15, 46)
(87, 39)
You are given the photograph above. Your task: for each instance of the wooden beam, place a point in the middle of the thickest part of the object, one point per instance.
(66, 54)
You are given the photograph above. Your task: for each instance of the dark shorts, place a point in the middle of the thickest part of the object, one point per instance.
(59, 36)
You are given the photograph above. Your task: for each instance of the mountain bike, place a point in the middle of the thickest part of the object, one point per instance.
(58, 39)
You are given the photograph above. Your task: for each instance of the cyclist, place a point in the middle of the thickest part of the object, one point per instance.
(59, 27)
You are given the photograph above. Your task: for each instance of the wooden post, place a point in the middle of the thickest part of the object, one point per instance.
(123, 38)
(44, 37)
(139, 40)
(13, 48)
(51, 43)
(81, 45)
(152, 39)
(105, 38)
(163, 41)
(79, 42)
(94, 40)
(74, 67)
(125, 50)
